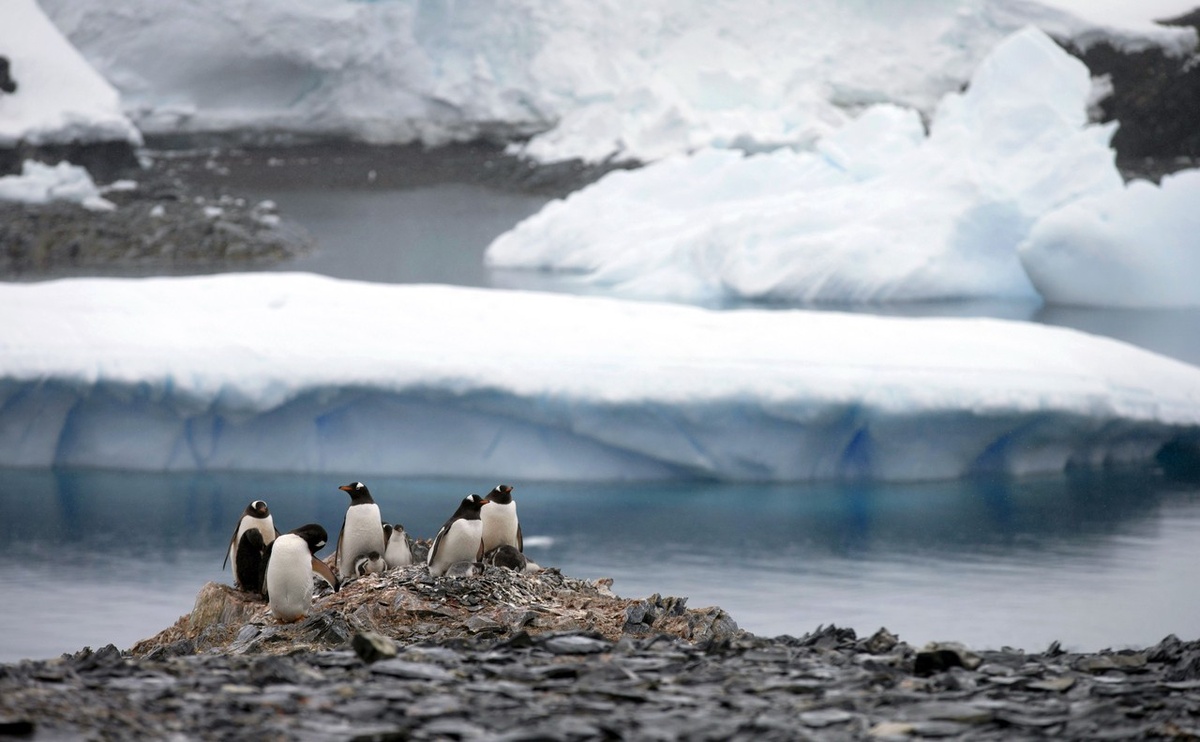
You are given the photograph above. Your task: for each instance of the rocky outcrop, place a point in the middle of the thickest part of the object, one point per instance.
(409, 606)
(1155, 97)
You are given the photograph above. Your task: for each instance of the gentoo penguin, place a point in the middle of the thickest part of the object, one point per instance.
(397, 552)
(370, 564)
(362, 530)
(291, 561)
(461, 539)
(500, 525)
(245, 552)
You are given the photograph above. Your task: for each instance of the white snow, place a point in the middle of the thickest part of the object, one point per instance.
(305, 373)
(879, 212)
(39, 184)
(59, 97)
(590, 79)
(1136, 247)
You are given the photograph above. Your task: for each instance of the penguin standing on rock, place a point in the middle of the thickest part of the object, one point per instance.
(362, 529)
(460, 539)
(254, 532)
(397, 551)
(290, 563)
(500, 524)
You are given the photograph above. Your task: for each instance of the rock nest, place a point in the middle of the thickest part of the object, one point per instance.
(408, 606)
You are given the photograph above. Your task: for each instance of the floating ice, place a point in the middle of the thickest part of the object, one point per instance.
(59, 97)
(303, 373)
(879, 213)
(1137, 247)
(39, 184)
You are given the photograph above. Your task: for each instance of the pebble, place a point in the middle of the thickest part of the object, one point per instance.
(576, 685)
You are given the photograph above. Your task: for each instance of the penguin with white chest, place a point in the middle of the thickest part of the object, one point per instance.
(397, 551)
(362, 530)
(254, 532)
(500, 524)
(460, 539)
(290, 562)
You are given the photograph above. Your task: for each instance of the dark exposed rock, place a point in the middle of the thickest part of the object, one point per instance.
(1155, 97)
(581, 684)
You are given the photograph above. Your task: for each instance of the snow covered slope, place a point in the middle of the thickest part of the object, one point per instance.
(59, 98)
(303, 373)
(593, 79)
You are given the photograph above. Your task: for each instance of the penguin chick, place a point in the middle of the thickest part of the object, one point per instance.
(506, 556)
(290, 563)
(463, 569)
(500, 524)
(362, 530)
(397, 551)
(460, 539)
(256, 517)
(370, 564)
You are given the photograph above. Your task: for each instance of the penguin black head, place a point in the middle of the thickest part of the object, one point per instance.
(314, 535)
(501, 494)
(257, 509)
(470, 507)
(359, 494)
(387, 533)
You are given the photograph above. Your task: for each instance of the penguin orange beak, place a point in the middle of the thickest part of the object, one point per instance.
(344, 488)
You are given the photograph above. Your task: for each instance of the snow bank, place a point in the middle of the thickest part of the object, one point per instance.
(59, 97)
(879, 212)
(1136, 247)
(304, 373)
(590, 79)
(39, 184)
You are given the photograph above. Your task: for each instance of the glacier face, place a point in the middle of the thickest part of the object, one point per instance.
(593, 80)
(303, 373)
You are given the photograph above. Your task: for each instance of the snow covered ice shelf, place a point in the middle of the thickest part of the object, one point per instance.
(306, 373)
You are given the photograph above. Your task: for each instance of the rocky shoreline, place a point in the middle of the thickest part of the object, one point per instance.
(180, 206)
(502, 655)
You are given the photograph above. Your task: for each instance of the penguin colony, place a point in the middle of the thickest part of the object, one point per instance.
(483, 530)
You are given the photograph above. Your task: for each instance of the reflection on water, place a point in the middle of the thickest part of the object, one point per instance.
(116, 556)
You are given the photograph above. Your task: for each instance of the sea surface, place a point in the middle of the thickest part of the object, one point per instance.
(95, 557)
(1090, 560)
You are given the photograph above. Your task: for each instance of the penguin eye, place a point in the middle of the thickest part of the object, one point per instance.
(320, 544)
(358, 485)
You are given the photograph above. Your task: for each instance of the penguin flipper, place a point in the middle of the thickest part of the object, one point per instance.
(437, 542)
(337, 550)
(520, 539)
(232, 544)
(479, 552)
(326, 573)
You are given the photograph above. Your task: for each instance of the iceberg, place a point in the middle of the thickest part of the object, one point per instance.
(305, 373)
(59, 98)
(880, 212)
(582, 79)
(1136, 247)
(39, 184)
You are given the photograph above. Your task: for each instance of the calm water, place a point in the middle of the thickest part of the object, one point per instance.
(97, 557)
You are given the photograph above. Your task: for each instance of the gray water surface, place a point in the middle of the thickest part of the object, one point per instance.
(109, 556)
